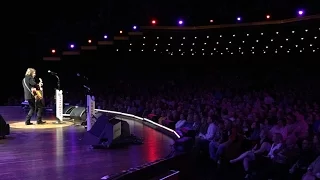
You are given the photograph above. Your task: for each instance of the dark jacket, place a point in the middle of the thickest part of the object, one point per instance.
(29, 83)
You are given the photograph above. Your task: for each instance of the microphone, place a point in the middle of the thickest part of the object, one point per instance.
(53, 73)
(86, 87)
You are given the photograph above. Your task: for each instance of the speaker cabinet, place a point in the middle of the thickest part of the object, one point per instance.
(68, 109)
(106, 131)
(78, 113)
(4, 128)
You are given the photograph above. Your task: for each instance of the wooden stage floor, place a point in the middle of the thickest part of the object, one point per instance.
(60, 153)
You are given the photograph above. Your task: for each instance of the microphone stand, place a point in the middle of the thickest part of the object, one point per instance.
(58, 82)
(59, 121)
(88, 102)
(88, 90)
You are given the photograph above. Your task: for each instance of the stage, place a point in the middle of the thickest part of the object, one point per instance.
(54, 151)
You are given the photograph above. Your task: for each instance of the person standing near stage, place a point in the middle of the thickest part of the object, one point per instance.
(36, 105)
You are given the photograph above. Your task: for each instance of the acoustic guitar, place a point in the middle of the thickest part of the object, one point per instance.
(38, 94)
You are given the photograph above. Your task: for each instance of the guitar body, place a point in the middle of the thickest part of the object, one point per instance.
(38, 94)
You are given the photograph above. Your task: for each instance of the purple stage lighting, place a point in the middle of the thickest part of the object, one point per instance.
(238, 18)
(300, 12)
(105, 36)
(180, 22)
(134, 27)
(71, 46)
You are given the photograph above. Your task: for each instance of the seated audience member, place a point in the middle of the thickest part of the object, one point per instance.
(180, 123)
(229, 135)
(260, 149)
(162, 117)
(203, 126)
(279, 128)
(186, 126)
(175, 116)
(316, 144)
(210, 132)
(301, 130)
(301, 165)
(152, 116)
(168, 120)
(244, 125)
(276, 145)
(202, 140)
(313, 172)
(282, 159)
(252, 136)
(267, 124)
(255, 132)
(291, 125)
(316, 124)
(132, 109)
(268, 99)
(196, 123)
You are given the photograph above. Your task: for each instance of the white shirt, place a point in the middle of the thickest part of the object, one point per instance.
(273, 148)
(211, 131)
(180, 123)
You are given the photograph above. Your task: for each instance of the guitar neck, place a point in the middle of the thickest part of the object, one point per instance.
(41, 85)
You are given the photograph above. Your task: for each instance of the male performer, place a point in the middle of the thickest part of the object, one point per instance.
(29, 84)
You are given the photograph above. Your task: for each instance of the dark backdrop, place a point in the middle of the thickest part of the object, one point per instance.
(104, 72)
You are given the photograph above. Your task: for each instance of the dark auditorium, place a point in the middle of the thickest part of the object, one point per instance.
(179, 90)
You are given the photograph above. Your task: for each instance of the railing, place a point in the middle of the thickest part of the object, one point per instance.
(142, 120)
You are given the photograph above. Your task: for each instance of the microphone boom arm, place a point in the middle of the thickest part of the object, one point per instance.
(56, 75)
(58, 82)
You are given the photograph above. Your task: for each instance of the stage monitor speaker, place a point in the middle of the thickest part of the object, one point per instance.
(68, 109)
(4, 127)
(106, 131)
(78, 114)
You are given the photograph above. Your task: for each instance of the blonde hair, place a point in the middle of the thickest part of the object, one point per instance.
(30, 71)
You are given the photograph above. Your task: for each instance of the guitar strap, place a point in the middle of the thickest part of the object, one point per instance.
(25, 84)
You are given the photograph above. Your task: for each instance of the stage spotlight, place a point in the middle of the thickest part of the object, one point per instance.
(53, 51)
(89, 41)
(134, 27)
(105, 37)
(120, 32)
(153, 22)
(268, 16)
(180, 22)
(71, 46)
(238, 18)
(300, 12)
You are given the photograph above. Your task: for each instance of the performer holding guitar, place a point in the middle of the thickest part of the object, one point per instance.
(33, 94)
